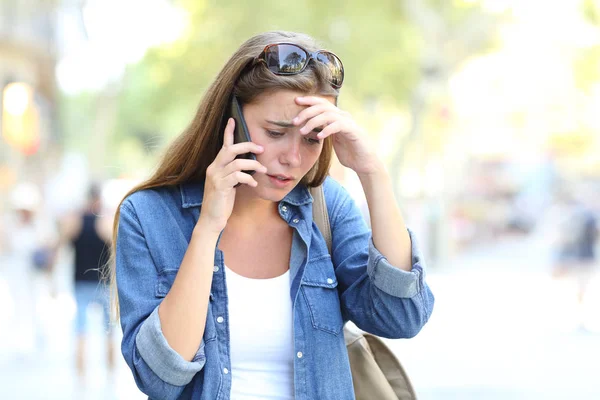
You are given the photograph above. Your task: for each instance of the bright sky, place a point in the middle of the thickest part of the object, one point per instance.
(531, 73)
(119, 32)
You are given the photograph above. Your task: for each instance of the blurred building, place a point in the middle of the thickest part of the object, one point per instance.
(28, 117)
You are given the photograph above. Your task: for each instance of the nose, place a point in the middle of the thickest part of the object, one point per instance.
(291, 156)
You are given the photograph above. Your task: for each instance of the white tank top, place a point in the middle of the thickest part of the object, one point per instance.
(262, 341)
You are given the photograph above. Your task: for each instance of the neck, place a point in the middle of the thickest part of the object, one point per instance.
(249, 208)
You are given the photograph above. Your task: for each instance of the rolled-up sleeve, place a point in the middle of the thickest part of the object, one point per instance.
(377, 296)
(395, 281)
(166, 363)
(158, 370)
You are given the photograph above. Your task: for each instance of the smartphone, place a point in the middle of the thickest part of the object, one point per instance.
(241, 133)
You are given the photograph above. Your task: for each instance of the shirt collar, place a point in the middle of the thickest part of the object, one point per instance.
(192, 194)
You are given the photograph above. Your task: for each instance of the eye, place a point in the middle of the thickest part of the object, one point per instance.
(312, 140)
(274, 133)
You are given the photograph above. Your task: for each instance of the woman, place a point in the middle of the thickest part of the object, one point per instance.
(226, 286)
(28, 239)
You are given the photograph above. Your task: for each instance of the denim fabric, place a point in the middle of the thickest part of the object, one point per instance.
(87, 293)
(355, 282)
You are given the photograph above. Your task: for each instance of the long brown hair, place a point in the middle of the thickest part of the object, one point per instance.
(188, 157)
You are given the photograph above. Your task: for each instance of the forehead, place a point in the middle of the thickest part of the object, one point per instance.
(278, 105)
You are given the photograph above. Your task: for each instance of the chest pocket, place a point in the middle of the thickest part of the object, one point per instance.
(319, 289)
(163, 285)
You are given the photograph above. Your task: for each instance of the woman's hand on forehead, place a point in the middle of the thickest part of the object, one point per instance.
(350, 142)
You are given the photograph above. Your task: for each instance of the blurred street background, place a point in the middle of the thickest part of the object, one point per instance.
(486, 112)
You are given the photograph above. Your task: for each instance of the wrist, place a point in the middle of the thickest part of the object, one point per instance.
(377, 172)
(207, 229)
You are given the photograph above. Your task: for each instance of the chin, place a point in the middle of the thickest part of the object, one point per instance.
(265, 190)
(271, 194)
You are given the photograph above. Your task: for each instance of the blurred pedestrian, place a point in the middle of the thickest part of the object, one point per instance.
(28, 239)
(576, 241)
(89, 234)
(226, 287)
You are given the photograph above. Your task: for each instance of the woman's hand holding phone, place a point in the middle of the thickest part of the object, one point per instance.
(224, 175)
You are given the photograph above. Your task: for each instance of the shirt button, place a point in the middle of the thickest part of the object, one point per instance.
(284, 208)
(295, 220)
(220, 320)
(299, 354)
(216, 268)
(225, 371)
(329, 280)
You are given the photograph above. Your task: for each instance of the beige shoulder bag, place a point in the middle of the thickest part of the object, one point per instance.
(376, 372)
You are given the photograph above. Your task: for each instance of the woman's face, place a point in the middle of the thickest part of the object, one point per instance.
(288, 154)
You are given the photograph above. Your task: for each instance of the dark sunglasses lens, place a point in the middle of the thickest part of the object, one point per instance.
(285, 59)
(335, 67)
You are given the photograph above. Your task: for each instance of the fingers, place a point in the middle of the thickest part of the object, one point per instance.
(223, 180)
(226, 171)
(311, 100)
(228, 141)
(311, 112)
(243, 165)
(236, 178)
(321, 120)
(228, 152)
(228, 135)
(330, 129)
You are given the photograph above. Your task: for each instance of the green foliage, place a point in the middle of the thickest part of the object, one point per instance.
(591, 11)
(381, 47)
(378, 47)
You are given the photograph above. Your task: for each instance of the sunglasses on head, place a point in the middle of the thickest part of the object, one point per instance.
(291, 59)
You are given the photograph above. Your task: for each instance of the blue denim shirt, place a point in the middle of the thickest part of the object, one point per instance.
(355, 283)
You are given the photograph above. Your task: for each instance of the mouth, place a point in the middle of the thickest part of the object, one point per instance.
(280, 180)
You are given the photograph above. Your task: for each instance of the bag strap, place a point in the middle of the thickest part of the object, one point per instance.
(320, 214)
(380, 356)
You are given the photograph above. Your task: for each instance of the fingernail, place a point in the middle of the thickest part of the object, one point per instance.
(295, 120)
(260, 148)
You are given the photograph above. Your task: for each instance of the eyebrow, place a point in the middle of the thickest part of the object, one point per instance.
(287, 124)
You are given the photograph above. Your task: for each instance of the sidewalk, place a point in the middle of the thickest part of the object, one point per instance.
(50, 374)
(503, 329)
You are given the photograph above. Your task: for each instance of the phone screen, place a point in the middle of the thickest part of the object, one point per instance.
(241, 133)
